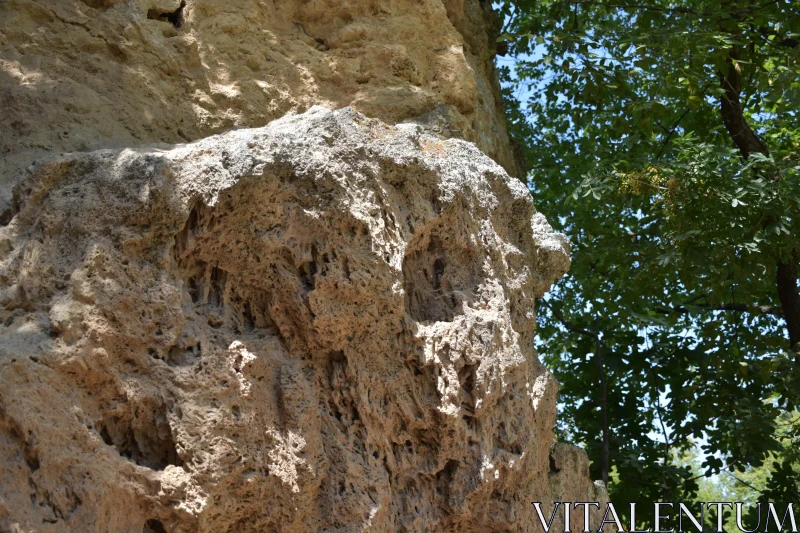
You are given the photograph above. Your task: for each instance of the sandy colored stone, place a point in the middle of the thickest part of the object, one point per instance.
(325, 324)
(77, 75)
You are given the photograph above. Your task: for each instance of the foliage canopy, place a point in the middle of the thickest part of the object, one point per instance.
(663, 138)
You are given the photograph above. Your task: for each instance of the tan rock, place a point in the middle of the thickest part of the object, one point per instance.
(325, 324)
(77, 75)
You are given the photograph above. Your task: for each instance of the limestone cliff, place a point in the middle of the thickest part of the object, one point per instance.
(324, 323)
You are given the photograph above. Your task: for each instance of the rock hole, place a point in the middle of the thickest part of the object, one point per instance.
(105, 436)
(249, 309)
(183, 356)
(182, 237)
(31, 458)
(153, 526)
(194, 291)
(336, 359)
(7, 215)
(553, 468)
(97, 4)
(247, 316)
(216, 292)
(438, 273)
(144, 437)
(413, 364)
(173, 17)
(346, 268)
(308, 270)
(445, 477)
(466, 376)
(432, 296)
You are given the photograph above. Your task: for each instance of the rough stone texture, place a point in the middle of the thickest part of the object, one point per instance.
(77, 75)
(325, 324)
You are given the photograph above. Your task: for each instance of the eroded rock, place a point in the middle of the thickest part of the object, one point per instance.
(78, 75)
(325, 324)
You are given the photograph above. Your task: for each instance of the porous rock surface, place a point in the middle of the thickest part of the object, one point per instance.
(325, 324)
(78, 75)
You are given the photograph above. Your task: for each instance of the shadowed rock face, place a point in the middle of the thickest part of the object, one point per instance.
(325, 324)
(78, 75)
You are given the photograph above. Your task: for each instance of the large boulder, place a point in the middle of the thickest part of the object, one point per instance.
(324, 324)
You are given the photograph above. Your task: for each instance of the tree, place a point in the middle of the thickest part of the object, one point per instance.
(663, 138)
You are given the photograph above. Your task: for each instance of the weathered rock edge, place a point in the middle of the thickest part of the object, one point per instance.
(325, 324)
(80, 75)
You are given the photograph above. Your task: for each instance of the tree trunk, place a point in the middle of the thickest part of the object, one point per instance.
(606, 461)
(790, 300)
(748, 143)
(731, 108)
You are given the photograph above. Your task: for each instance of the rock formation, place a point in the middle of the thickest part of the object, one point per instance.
(322, 324)
(77, 75)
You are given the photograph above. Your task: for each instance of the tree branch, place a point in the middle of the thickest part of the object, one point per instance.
(766, 33)
(606, 459)
(743, 482)
(664, 431)
(668, 10)
(748, 143)
(743, 308)
(731, 108)
(671, 132)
